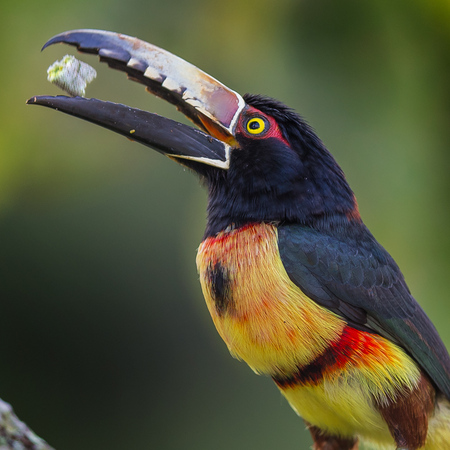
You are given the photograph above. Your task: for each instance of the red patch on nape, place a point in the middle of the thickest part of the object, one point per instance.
(353, 215)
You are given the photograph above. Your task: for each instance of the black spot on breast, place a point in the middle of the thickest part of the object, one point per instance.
(220, 288)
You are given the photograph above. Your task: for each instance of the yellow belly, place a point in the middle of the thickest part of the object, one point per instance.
(268, 322)
(343, 407)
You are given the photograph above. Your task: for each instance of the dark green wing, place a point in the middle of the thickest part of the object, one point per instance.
(352, 275)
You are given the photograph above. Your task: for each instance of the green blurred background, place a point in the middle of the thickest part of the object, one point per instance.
(105, 339)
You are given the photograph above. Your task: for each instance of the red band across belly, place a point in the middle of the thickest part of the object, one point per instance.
(353, 348)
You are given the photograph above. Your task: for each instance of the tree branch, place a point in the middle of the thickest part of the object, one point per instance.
(14, 434)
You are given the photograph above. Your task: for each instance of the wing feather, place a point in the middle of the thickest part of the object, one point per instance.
(352, 275)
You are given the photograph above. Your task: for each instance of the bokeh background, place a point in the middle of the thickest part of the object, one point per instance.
(105, 339)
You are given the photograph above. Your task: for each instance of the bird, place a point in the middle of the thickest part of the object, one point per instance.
(295, 283)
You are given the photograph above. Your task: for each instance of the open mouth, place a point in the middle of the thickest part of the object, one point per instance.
(209, 104)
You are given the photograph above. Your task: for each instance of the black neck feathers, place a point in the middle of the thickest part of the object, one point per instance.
(269, 181)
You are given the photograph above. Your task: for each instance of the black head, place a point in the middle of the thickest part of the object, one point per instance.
(260, 160)
(280, 172)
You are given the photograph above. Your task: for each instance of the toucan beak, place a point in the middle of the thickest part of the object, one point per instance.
(207, 102)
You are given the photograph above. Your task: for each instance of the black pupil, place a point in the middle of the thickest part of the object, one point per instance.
(254, 125)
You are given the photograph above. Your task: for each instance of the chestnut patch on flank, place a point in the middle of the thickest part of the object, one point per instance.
(407, 416)
(325, 441)
(220, 288)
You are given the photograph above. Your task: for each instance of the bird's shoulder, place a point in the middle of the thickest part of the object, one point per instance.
(347, 271)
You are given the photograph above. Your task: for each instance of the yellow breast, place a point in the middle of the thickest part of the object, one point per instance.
(268, 322)
(261, 315)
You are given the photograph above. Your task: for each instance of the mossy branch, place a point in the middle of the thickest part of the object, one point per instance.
(14, 434)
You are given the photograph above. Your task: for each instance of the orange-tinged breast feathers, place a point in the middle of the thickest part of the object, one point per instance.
(261, 315)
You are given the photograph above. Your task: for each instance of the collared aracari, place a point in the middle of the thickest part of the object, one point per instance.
(295, 283)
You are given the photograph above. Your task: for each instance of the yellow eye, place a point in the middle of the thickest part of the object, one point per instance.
(256, 125)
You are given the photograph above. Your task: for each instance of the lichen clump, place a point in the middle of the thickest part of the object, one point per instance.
(71, 75)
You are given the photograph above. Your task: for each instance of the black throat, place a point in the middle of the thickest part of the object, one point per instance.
(267, 183)
(273, 181)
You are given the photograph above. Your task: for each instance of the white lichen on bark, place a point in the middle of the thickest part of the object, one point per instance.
(15, 435)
